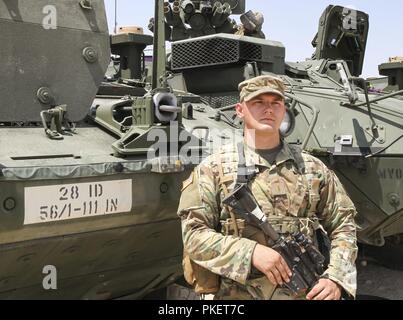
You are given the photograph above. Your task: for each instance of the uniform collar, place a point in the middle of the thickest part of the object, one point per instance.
(285, 154)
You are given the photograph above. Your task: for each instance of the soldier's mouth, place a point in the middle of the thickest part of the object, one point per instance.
(267, 120)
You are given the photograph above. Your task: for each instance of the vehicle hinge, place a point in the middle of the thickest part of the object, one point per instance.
(377, 132)
(86, 4)
(58, 123)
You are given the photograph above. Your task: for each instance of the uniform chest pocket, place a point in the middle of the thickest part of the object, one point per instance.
(280, 196)
(314, 195)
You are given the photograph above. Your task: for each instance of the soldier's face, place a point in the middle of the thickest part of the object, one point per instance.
(264, 113)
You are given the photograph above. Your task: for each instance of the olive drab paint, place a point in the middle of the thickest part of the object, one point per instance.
(78, 220)
(64, 123)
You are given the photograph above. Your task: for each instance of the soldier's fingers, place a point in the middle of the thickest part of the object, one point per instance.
(277, 275)
(283, 272)
(323, 294)
(315, 291)
(330, 297)
(286, 267)
(335, 294)
(271, 278)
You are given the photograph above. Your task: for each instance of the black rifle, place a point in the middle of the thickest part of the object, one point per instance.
(301, 256)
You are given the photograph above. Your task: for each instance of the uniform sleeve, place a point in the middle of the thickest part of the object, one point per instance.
(199, 211)
(337, 213)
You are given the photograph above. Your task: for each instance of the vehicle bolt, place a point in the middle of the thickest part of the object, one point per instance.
(394, 199)
(90, 54)
(118, 167)
(164, 188)
(9, 204)
(44, 95)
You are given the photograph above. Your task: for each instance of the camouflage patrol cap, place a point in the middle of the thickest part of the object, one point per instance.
(254, 87)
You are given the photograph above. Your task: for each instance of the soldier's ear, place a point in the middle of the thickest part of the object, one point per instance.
(239, 108)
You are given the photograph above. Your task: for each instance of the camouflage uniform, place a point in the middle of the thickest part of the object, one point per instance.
(295, 193)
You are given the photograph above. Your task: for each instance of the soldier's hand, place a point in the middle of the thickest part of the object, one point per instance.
(325, 290)
(272, 264)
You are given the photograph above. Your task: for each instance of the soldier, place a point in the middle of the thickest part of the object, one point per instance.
(252, 23)
(224, 255)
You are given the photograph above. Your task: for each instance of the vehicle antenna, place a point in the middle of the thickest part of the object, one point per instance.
(159, 50)
(116, 17)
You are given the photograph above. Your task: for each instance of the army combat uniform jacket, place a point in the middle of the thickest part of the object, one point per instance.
(297, 192)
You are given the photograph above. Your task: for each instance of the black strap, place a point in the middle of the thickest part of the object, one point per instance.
(245, 174)
(297, 153)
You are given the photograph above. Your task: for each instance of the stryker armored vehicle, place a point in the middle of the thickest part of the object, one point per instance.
(92, 171)
(80, 218)
(394, 71)
(332, 113)
(391, 78)
(333, 116)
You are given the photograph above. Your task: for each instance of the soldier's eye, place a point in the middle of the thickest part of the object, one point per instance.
(258, 104)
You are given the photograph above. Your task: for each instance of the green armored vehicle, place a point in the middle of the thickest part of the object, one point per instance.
(80, 216)
(92, 171)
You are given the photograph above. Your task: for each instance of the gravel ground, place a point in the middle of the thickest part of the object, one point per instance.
(378, 281)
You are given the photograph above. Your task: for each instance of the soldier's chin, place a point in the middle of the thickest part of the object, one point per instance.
(264, 127)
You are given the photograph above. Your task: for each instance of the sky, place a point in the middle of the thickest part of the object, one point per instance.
(294, 23)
